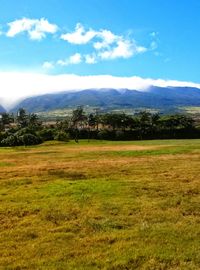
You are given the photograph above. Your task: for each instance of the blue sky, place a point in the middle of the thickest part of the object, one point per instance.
(145, 38)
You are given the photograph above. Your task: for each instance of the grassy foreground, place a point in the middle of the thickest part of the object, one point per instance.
(101, 205)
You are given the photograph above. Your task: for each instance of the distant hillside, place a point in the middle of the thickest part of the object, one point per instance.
(155, 97)
(2, 110)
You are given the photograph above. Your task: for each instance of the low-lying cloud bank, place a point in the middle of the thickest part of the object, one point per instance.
(18, 85)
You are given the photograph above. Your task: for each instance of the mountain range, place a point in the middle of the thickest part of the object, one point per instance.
(153, 97)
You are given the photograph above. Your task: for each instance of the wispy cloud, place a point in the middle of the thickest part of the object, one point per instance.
(153, 45)
(107, 38)
(79, 36)
(75, 59)
(48, 65)
(90, 58)
(154, 34)
(62, 63)
(36, 28)
(122, 49)
(72, 60)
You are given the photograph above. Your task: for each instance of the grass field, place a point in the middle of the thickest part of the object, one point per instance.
(101, 205)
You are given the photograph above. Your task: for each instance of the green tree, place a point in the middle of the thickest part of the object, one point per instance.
(22, 118)
(78, 121)
(33, 121)
(79, 118)
(5, 119)
(177, 122)
(63, 125)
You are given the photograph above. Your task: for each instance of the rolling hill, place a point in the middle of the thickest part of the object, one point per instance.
(154, 97)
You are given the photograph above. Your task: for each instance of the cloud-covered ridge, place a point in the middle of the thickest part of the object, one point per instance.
(15, 85)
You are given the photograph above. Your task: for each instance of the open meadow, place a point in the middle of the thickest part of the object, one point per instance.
(101, 205)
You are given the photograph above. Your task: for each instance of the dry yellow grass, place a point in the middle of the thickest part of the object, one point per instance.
(101, 205)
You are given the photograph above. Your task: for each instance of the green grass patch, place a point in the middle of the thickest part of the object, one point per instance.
(6, 164)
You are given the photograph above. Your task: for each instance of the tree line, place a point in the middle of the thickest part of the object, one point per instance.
(28, 129)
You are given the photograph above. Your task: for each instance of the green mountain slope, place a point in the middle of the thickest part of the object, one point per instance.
(154, 97)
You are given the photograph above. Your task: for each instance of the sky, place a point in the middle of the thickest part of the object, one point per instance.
(57, 45)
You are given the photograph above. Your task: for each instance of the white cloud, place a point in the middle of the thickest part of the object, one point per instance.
(79, 36)
(18, 85)
(72, 60)
(107, 38)
(90, 59)
(107, 44)
(48, 65)
(75, 59)
(123, 49)
(62, 62)
(36, 28)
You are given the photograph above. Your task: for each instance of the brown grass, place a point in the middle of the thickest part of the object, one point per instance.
(95, 206)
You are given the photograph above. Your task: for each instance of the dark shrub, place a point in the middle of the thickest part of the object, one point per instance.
(120, 135)
(62, 136)
(3, 135)
(47, 134)
(106, 135)
(30, 139)
(23, 131)
(11, 140)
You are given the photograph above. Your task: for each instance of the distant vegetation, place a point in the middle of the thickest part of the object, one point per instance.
(28, 129)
